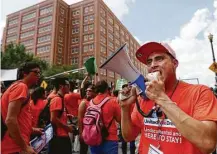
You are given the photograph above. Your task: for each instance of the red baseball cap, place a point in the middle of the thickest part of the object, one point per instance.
(144, 51)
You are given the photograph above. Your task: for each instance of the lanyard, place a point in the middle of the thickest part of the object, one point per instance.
(160, 122)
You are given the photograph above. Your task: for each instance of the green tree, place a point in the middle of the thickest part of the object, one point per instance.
(15, 55)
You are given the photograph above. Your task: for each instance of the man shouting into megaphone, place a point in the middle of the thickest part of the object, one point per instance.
(184, 116)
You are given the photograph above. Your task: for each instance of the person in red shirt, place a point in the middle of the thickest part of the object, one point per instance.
(61, 141)
(16, 111)
(111, 114)
(183, 117)
(71, 100)
(90, 94)
(38, 103)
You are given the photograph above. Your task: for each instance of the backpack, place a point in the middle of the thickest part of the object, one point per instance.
(94, 131)
(3, 125)
(44, 116)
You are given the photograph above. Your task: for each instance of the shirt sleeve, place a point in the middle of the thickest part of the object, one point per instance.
(17, 92)
(205, 107)
(56, 104)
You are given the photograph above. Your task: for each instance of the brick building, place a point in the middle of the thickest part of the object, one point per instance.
(69, 34)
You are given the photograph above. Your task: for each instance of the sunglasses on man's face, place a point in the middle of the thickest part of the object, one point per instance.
(36, 72)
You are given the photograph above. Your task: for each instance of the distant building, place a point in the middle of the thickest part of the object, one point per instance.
(69, 34)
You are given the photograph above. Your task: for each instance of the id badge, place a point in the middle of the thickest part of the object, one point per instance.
(154, 150)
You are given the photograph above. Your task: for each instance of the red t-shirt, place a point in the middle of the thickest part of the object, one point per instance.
(56, 104)
(110, 110)
(71, 101)
(36, 110)
(196, 100)
(24, 119)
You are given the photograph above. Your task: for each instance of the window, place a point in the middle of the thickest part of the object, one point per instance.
(75, 22)
(28, 25)
(117, 34)
(86, 19)
(74, 60)
(91, 37)
(44, 38)
(61, 20)
(110, 28)
(102, 12)
(86, 48)
(62, 11)
(117, 26)
(86, 10)
(11, 38)
(43, 49)
(29, 16)
(91, 17)
(75, 40)
(12, 22)
(91, 27)
(12, 30)
(91, 47)
(110, 36)
(85, 28)
(91, 8)
(102, 20)
(111, 44)
(60, 49)
(45, 20)
(75, 49)
(103, 49)
(27, 34)
(85, 37)
(102, 30)
(46, 10)
(110, 53)
(75, 13)
(27, 42)
(110, 20)
(102, 60)
(75, 31)
(102, 39)
(117, 42)
(60, 39)
(61, 29)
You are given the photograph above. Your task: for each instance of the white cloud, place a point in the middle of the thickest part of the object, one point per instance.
(194, 52)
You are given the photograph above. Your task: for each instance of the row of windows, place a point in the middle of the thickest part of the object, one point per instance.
(28, 25)
(88, 9)
(88, 27)
(89, 18)
(103, 39)
(74, 60)
(75, 13)
(88, 48)
(11, 38)
(12, 30)
(75, 22)
(27, 42)
(75, 40)
(75, 49)
(88, 37)
(75, 30)
(27, 34)
(46, 10)
(44, 29)
(45, 20)
(43, 49)
(44, 38)
(12, 22)
(29, 16)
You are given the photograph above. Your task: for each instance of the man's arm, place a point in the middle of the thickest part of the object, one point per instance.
(56, 121)
(203, 134)
(12, 124)
(81, 112)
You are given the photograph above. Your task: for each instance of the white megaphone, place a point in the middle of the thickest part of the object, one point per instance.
(120, 63)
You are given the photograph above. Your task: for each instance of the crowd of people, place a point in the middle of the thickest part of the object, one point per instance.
(181, 117)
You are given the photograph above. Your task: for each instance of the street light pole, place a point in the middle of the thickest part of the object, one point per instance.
(210, 36)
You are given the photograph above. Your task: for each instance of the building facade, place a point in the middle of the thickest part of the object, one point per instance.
(69, 34)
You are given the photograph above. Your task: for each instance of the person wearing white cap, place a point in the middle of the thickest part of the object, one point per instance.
(182, 117)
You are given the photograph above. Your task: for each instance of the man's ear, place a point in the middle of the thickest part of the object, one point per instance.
(175, 62)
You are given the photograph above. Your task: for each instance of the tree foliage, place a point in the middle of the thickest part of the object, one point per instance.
(15, 55)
